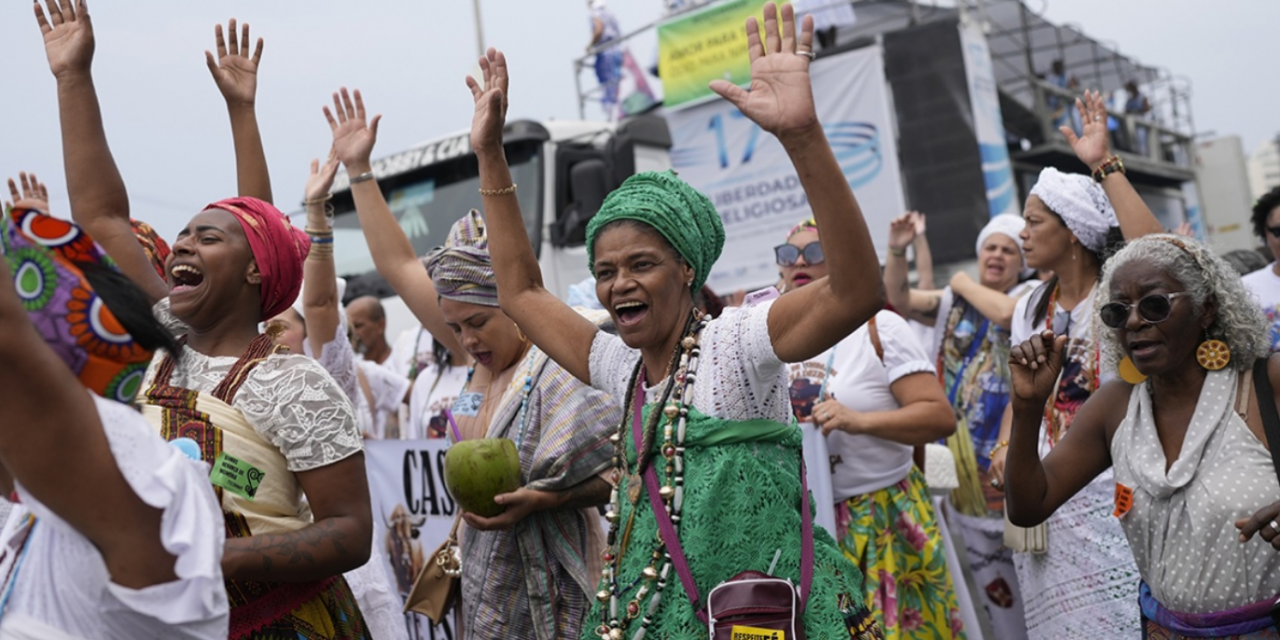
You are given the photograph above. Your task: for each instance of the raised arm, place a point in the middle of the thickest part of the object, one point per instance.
(235, 72)
(393, 256)
(914, 304)
(1093, 148)
(552, 325)
(1034, 489)
(320, 301)
(806, 322)
(46, 408)
(996, 306)
(99, 202)
(923, 254)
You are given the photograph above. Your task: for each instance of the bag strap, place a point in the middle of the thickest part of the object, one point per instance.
(1267, 409)
(874, 334)
(672, 541)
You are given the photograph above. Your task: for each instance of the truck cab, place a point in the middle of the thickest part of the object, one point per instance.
(564, 170)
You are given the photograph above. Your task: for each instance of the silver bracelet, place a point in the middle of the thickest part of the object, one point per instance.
(364, 177)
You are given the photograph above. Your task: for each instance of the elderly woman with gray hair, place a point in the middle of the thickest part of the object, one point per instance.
(1183, 431)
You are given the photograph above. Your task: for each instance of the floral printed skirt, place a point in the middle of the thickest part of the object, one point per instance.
(892, 535)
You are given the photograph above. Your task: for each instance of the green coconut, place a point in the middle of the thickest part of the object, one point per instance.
(477, 470)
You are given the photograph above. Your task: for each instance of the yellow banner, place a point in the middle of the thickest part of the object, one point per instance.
(705, 45)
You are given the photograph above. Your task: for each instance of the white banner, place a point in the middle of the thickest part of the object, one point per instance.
(748, 176)
(412, 515)
(988, 124)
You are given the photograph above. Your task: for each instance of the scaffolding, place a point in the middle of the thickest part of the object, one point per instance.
(1157, 146)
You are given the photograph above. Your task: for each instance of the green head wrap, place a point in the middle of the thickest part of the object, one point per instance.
(683, 216)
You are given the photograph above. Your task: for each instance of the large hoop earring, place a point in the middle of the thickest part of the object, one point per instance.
(523, 337)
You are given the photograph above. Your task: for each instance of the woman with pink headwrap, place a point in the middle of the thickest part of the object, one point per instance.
(287, 460)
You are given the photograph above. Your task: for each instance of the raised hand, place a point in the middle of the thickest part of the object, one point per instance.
(353, 135)
(321, 179)
(1093, 146)
(34, 195)
(918, 220)
(491, 102)
(235, 71)
(1034, 366)
(68, 36)
(780, 99)
(902, 231)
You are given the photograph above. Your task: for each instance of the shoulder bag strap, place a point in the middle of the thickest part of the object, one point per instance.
(1267, 409)
(875, 339)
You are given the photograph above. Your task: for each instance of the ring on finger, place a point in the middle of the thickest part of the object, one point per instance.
(995, 482)
(1275, 526)
(808, 54)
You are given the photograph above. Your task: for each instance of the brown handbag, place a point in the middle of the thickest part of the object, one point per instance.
(437, 586)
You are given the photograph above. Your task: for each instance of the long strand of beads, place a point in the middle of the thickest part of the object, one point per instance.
(524, 399)
(672, 493)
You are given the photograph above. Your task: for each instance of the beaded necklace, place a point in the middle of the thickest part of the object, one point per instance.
(1051, 407)
(521, 417)
(676, 413)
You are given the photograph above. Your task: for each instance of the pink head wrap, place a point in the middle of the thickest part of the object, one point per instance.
(278, 247)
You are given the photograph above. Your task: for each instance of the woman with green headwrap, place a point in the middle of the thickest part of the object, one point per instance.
(707, 400)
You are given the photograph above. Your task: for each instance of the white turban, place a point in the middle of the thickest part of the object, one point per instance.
(1005, 224)
(1081, 204)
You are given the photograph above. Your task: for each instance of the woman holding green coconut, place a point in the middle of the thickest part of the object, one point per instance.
(715, 405)
(527, 571)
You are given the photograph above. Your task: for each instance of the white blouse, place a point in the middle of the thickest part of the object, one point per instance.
(290, 400)
(62, 586)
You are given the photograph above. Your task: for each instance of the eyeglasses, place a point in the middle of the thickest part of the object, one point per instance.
(788, 254)
(1153, 308)
(1274, 231)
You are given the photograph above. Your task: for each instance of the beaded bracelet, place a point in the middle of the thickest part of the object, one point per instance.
(499, 192)
(999, 445)
(1113, 165)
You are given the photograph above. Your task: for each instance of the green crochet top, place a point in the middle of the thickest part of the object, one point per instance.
(741, 505)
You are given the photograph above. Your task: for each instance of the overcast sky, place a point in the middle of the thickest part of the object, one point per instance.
(169, 131)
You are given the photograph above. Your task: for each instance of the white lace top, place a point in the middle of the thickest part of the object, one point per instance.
(63, 582)
(290, 400)
(740, 376)
(388, 387)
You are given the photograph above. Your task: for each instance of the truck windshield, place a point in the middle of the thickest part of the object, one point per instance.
(429, 200)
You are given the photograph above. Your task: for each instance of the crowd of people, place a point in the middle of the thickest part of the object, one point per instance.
(1105, 390)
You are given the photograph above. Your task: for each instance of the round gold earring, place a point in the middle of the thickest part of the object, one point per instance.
(1213, 354)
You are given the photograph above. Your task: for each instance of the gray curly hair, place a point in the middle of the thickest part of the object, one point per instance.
(1240, 322)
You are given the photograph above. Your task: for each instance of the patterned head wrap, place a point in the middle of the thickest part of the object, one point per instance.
(153, 245)
(808, 224)
(42, 253)
(278, 247)
(1081, 204)
(683, 216)
(1005, 224)
(461, 270)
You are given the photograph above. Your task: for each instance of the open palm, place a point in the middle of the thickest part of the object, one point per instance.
(235, 71)
(780, 98)
(68, 36)
(491, 101)
(353, 135)
(1093, 145)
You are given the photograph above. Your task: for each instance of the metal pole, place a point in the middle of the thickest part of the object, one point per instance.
(480, 48)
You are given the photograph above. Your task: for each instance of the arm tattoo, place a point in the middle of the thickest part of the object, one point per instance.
(590, 493)
(931, 306)
(306, 550)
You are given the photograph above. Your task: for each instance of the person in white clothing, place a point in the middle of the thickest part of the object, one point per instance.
(117, 535)
(1265, 282)
(1185, 438)
(1084, 583)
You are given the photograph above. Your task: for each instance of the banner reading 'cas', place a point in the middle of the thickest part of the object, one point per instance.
(704, 45)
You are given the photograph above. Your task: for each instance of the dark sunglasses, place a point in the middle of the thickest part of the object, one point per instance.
(1274, 231)
(1153, 308)
(787, 254)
